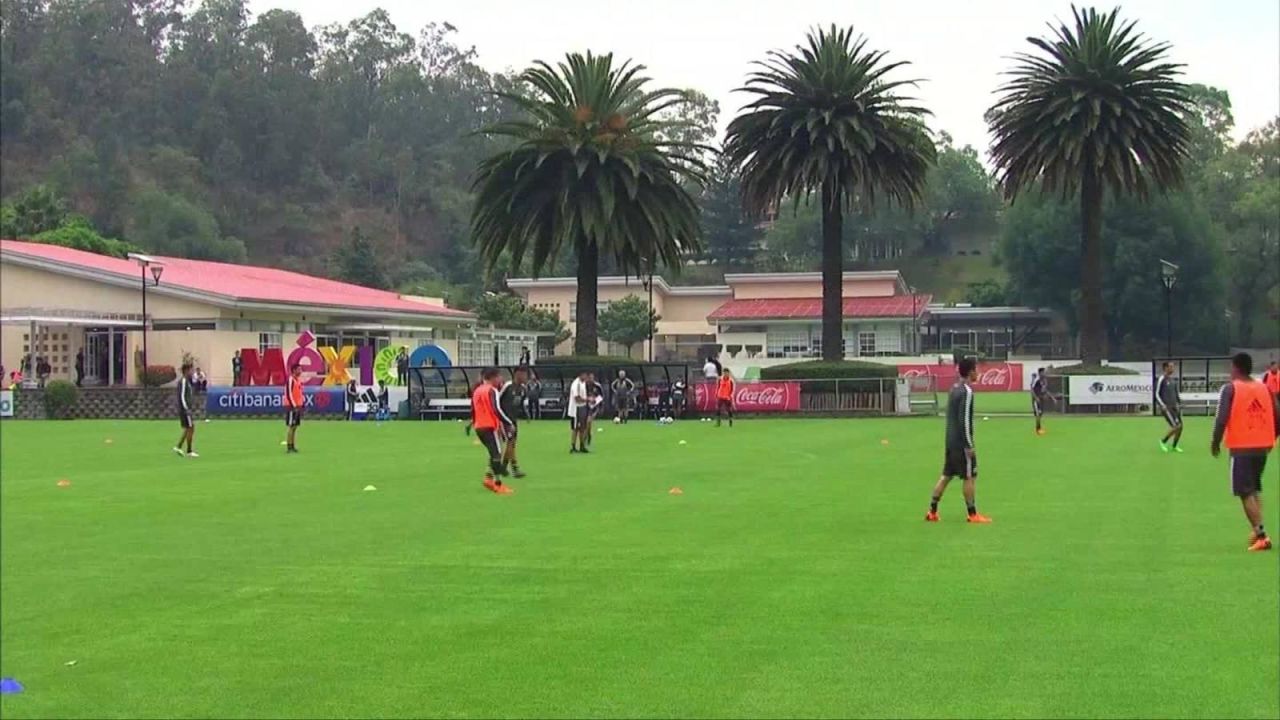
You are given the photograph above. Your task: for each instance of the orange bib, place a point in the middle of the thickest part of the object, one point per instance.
(1252, 425)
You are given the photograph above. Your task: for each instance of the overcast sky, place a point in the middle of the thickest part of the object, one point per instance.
(957, 47)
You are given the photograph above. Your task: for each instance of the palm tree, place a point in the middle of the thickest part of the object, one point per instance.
(825, 119)
(1099, 108)
(591, 170)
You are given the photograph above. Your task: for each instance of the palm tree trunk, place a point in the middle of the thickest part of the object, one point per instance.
(832, 272)
(1093, 339)
(584, 342)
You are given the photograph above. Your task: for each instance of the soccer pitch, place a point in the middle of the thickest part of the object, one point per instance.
(794, 577)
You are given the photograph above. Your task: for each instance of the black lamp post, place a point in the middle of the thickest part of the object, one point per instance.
(915, 328)
(648, 285)
(1168, 276)
(144, 262)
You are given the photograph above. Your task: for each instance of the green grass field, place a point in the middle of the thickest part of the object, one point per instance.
(793, 578)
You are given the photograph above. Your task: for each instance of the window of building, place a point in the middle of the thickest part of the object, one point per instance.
(866, 343)
(793, 342)
(268, 340)
(573, 310)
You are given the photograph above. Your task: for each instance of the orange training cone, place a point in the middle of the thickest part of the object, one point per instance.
(675, 491)
(64, 483)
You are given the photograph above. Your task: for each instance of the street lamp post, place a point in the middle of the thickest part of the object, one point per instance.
(1168, 276)
(915, 327)
(145, 262)
(649, 287)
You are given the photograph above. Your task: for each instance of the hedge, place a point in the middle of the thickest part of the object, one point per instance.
(823, 370)
(1083, 369)
(589, 360)
(157, 375)
(59, 399)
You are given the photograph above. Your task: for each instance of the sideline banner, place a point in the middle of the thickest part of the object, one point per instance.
(752, 397)
(992, 376)
(245, 400)
(1109, 390)
(6, 403)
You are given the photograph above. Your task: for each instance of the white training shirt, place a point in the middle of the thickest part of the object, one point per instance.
(709, 371)
(577, 389)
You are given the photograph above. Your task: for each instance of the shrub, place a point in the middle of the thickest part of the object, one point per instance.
(1090, 370)
(157, 375)
(588, 360)
(60, 398)
(823, 370)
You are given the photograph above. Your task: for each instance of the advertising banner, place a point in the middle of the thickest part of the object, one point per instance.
(6, 403)
(992, 376)
(752, 397)
(1109, 390)
(223, 400)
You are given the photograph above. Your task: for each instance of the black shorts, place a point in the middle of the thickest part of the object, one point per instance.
(185, 419)
(723, 405)
(958, 464)
(1246, 474)
(293, 418)
(1173, 416)
(578, 418)
(489, 438)
(1037, 406)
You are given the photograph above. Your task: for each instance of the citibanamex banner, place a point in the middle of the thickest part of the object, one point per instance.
(319, 400)
(752, 397)
(992, 376)
(1109, 390)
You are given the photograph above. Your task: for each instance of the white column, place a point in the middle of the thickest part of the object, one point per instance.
(111, 356)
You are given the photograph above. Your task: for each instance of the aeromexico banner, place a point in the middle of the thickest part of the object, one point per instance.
(992, 376)
(752, 397)
(223, 400)
(324, 365)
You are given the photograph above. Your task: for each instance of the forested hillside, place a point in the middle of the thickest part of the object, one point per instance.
(348, 150)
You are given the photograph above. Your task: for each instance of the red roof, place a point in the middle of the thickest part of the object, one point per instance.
(247, 283)
(897, 306)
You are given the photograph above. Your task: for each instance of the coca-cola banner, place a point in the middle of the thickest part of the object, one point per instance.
(752, 397)
(992, 376)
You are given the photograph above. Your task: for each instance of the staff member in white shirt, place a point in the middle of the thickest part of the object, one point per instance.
(577, 409)
(710, 372)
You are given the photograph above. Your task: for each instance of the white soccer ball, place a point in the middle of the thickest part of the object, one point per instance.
(617, 421)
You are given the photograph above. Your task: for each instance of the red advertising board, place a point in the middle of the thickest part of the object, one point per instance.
(992, 376)
(752, 397)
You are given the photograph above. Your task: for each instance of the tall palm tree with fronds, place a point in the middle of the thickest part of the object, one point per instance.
(591, 170)
(826, 118)
(1098, 108)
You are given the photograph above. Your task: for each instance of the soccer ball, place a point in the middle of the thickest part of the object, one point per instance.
(617, 421)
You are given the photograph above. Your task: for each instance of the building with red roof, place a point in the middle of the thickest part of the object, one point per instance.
(59, 303)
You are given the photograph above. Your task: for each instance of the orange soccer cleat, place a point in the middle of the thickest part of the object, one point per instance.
(979, 518)
(931, 516)
(1260, 544)
(1042, 432)
(504, 490)
(491, 485)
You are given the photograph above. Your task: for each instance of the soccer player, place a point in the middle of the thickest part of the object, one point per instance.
(577, 411)
(186, 400)
(353, 396)
(510, 398)
(1039, 396)
(623, 388)
(1272, 379)
(724, 397)
(294, 402)
(1249, 423)
(961, 458)
(487, 419)
(1169, 400)
(678, 391)
(595, 401)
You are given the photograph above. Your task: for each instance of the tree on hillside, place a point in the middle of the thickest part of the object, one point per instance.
(589, 173)
(357, 262)
(628, 321)
(826, 119)
(730, 237)
(34, 211)
(1098, 109)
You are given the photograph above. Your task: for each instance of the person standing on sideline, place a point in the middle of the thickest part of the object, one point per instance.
(724, 397)
(402, 367)
(294, 401)
(533, 397)
(186, 401)
(1040, 396)
(1248, 422)
(623, 389)
(486, 418)
(961, 456)
(1272, 380)
(525, 357)
(79, 368)
(577, 409)
(236, 366)
(353, 396)
(1169, 400)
